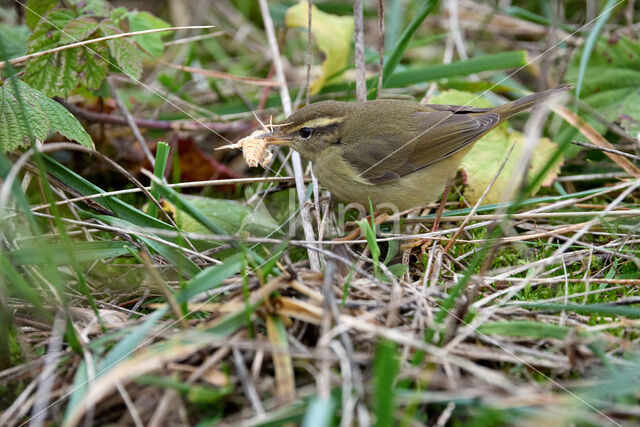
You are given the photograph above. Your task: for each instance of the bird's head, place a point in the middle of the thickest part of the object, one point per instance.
(313, 129)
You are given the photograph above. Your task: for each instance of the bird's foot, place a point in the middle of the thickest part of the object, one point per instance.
(356, 234)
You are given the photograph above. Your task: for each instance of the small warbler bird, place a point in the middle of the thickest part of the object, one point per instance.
(390, 151)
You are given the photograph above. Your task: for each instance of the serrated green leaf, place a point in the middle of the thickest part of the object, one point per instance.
(57, 19)
(125, 54)
(118, 14)
(152, 43)
(41, 118)
(60, 73)
(94, 7)
(94, 70)
(78, 29)
(14, 40)
(36, 9)
(54, 74)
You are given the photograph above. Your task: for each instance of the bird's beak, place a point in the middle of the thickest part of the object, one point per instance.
(275, 138)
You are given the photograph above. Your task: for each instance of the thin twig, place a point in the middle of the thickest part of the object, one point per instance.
(606, 149)
(132, 123)
(592, 135)
(380, 46)
(477, 205)
(314, 259)
(30, 56)
(193, 39)
(221, 75)
(174, 125)
(361, 80)
(245, 380)
(308, 77)
(48, 376)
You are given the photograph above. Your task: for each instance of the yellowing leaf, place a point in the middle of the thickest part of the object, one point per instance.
(482, 162)
(486, 156)
(332, 34)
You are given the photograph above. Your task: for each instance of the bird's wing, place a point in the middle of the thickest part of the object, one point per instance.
(458, 109)
(428, 138)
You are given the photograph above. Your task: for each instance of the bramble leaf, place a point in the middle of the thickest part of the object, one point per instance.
(125, 54)
(36, 9)
(14, 40)
(152, 43)
(38, 117)
(78, 29)
(59, 73)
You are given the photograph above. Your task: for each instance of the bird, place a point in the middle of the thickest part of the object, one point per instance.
(390, 151)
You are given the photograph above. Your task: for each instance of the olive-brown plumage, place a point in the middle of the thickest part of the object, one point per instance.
(391, 151)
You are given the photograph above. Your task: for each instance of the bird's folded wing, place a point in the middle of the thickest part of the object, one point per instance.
(428, 138)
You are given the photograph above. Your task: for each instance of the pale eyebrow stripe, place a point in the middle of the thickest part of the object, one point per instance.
(319, 123)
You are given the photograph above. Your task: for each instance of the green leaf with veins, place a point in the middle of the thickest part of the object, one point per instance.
(36, 9)
(59, 73)
(151, 43)
(37, 117)
(125, 53)
(14, 39)
(611, 85)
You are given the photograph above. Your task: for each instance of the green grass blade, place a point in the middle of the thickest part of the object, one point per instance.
(492, 62)
(194, 393)
(527, 15)
(394, 59)
(498, 61)
(210, 278)
(78, 388)
(525, 328)
(129, 343)
(385, 367)
(174, 255)
(602, 309)
(84, 252)
(528, 202)
(591, 41)
(319, 413)
(162, 155)
(22, 287)
(119, 208)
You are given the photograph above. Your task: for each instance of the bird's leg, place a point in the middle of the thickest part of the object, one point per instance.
(378, 218)
(423, 243)
(436, 222)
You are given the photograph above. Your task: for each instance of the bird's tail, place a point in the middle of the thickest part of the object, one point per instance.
(514, 107)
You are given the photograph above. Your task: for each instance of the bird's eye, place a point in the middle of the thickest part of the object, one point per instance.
(305, 133)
